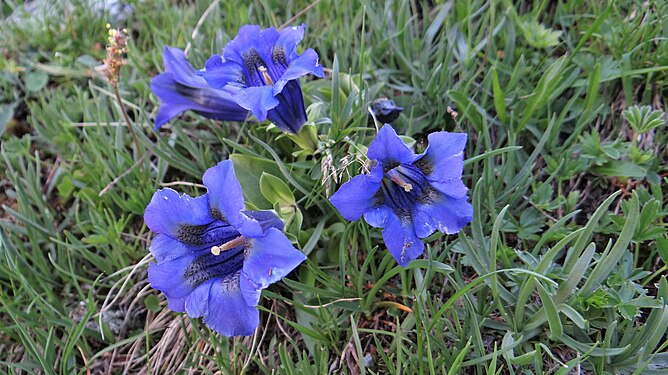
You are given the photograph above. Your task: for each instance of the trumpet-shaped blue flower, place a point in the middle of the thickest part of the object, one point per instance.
(180, 89)
(410, 196)
(214, 257)
(264, 66)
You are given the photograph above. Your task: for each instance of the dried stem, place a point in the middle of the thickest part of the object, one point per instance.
(125, 117)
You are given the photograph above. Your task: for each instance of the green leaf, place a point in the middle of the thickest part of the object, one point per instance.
(499, 98)
(662, 248)
(6, 115)
(65, 187)
(36, 81)
(609, 260)
(620, 168)
(539, 36)
(152, 302)
(553, 320)
(275, 190)
(249, 169)
(628, 311)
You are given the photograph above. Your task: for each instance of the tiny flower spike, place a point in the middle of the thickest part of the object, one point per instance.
(263, 65)
(410, 196)
(214, 257)
(180, 89)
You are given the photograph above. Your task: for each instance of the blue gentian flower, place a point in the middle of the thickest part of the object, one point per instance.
(214, 257)
(180, 89)
(265, 66)
(410, 196)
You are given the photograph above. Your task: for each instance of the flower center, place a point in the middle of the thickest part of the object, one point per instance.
(397, 178)
(236, 242)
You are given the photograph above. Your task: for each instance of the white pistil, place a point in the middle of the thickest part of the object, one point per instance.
(265, 74)
(216, 250)
(399, 181)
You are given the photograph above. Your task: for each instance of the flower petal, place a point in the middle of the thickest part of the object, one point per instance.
(288, 39)
(400, 239)
(305, 64)
(167, 277)
(179, 67)
(358, 195)
(377, 217)
(250, 290)
(289, 115)
(443, 162)
(259, 100)
(449, 215)
(168, 212)
(219, 74)
(197, 302)
(226, 199)
(270, 258)
(388, 148)
(251, 38)
(267, 219)
(423, 223)
(229, 314)
(199, 97)
(165, 248)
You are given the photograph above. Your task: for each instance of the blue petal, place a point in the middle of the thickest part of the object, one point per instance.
(388, 148)
(444, 161)
(258, 99)
(250, 290)
(168, 211)
(377, 217)
(179, 67)
(219, 74)
(176, 98)
(449, 215)
(358, 195)
(229, 314)
(423, 223)
(197, 302)
(180, 89)
(226, 196)
(305, 64)
(289, 115)
(251, 38)
(400, 239)
(270, 258)
(288, 39)
(267, 219)
(164, 248)
(167, 277)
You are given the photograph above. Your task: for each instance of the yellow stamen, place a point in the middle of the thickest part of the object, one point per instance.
(265, 74)
(215, 250)
(399, 181)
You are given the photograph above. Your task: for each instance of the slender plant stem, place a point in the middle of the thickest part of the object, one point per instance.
(299, 14)
(115, 181)
(125, 117)
(208, 10)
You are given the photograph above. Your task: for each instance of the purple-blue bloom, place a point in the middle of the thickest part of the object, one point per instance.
(410, 196)
(214, 257)
(180, 89)
(264, 66)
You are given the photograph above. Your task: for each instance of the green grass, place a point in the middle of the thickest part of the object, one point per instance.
(562, 270)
